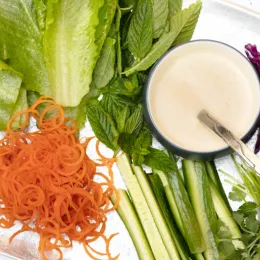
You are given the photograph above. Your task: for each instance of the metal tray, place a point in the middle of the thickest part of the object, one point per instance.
(235, 22)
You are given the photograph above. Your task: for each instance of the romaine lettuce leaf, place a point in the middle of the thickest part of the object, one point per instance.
(70, 49)
(22, 39)
(106, 16)
(10, 83)
(21, 104)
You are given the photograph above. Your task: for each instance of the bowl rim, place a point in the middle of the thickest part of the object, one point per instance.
(171, 145)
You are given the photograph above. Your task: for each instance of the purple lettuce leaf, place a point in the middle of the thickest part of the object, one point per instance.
(254, 56)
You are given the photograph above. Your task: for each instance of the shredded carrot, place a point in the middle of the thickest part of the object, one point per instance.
(47, 183)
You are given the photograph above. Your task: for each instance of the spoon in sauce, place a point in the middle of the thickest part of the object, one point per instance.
(235, 143)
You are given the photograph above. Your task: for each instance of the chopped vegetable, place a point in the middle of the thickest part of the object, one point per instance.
(142, 208)
(10, 83)
(254, 56)
(51, 188)
(128, 215)
(200, 194)
(247, 214)
(182, 210)
(22, 37)
(70, 49)
(160, 194)
(21, 104)
(156, 212)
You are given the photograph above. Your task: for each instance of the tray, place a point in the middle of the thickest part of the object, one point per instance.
(235, 22)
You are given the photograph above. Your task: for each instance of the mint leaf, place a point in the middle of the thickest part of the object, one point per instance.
(138, 146)
(122, 116)
(126, 142)
(103, 126)
(123, 86)
(143, 142)
(105, 67)
(160, 15)
(111, 103)
(182, 23)
(190, 16)
(135, 121)
(138, 159)
(175, 6)
(157, 159)
(140, 34)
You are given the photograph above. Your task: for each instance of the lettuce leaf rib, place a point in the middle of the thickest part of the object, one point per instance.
(70, 49)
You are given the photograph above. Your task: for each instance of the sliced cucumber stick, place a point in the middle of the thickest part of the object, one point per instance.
(128, 215)
(214, 177)
(156, 212)
(200, 195)
(226, 217)
(182, 210)
(160, 195)
(154, 238)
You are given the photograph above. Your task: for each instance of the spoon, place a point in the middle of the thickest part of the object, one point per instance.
(234, 142)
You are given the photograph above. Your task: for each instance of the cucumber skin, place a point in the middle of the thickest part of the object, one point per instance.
(183, 211)
(153, 236)
(156, 213)
(159, 192)
(214, 177)
(128, 215)
(200, 195)
(226, 217)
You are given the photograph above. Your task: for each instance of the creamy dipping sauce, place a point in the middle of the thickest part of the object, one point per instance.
(203, 75)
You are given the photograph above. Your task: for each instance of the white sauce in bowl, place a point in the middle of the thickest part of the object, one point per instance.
(203, 75)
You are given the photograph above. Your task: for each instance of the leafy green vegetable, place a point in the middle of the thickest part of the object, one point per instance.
(112, 103)
(160, 15)
(10, 83)
(236, 195)
(178, 25)
(123, 86)
(22, 38)
(248, 208)
(188, 23)
(105, 68)
(41, 11)
(121, 118)
(159, 160)
(136, 145)
(70, 49)
(175, 6)
(103, 126)
(106, 15)
(246, 215)
(118, 42)
(21, 104)
(135, 121)
(140, 34)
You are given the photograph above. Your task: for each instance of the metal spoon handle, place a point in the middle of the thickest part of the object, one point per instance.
(235, 143)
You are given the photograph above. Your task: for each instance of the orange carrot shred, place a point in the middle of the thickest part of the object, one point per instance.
(47, 183)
